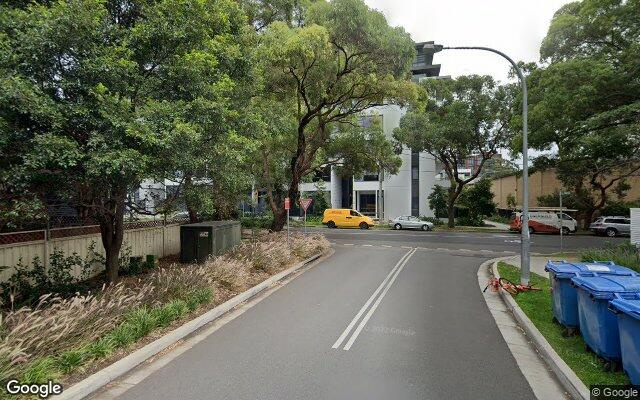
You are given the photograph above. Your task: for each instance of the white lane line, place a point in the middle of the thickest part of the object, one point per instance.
(373, 296)
(349, 244)
(367, 245)
(386, 245)
(377, 303)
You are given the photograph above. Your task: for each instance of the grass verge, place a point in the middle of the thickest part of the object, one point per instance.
(537, 306)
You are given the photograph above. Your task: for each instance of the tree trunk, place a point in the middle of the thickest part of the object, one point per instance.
(279, 218)
(112, 233)
(451, 214)
(454, 192)
(279, 213)
(588, 217)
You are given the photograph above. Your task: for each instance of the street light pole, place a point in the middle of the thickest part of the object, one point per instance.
(525, 242)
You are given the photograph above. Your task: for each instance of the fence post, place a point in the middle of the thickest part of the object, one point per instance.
(164, 228)
(45, 256)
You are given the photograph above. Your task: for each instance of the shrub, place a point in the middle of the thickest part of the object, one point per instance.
(435, 221)
(470, 221)
(29, 282)
(625, 254)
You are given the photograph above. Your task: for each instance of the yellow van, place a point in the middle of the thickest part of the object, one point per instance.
(346, 218)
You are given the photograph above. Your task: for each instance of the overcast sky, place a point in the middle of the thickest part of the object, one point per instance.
(515, 27)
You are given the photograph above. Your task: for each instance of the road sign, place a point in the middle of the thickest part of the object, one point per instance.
(287, 203)
(305, 203)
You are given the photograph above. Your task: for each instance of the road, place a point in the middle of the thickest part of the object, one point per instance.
(391, 315)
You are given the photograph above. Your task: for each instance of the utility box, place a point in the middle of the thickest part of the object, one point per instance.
(200, 240)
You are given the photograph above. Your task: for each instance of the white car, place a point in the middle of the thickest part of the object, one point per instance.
(410, 222)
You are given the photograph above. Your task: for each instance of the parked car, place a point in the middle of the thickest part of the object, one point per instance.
(545, 222)
(410, 222)
(346, 218)
(611, 226)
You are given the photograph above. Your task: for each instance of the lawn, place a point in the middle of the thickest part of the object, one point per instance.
(537, 306)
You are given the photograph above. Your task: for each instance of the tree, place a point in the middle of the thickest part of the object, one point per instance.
(585, 98)
(463, 116)
(498, 167)
(438, 201)
(320, 202)
(511, 201)
(478, 199)
(343, 59)
(101, 94)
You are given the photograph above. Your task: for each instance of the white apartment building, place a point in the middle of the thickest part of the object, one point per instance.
(404, 193)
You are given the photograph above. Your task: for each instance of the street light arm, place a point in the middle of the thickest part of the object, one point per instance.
(524, 261)
(513, 63)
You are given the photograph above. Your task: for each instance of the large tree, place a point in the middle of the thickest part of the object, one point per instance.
(96, 95)
(341, 59)
(461, 117)
(585, 97)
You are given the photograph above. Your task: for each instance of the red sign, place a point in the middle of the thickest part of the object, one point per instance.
(305, 203)
(287, 203)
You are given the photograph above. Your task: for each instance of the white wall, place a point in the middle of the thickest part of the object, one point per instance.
(159, 241)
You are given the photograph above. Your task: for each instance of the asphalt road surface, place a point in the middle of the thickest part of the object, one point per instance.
(391, 315)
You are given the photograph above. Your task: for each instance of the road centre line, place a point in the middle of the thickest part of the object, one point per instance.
(377, 303)
(371, 299)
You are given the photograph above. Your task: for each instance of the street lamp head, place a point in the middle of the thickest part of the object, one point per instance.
(432, 48)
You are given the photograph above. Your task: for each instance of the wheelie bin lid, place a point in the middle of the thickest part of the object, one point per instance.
(608, 286)
(629, 305)
(565, 269)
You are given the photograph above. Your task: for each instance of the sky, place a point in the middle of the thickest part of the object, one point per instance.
(515, 27)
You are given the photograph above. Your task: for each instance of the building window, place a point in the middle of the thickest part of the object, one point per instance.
(415, 184)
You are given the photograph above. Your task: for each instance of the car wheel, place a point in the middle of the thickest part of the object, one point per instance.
(611, 232)
(566, 230)
(364, 225)
(425, 227)
(397, 227)
(331, 224)
(531, 230)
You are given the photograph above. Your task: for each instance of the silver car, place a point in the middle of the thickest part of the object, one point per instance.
(611, 226)
(410, 222)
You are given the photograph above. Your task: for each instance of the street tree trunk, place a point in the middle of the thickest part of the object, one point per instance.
(112, 233)
(451, 213)
(454, 193)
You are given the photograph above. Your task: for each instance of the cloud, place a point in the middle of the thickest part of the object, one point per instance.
(515, 27)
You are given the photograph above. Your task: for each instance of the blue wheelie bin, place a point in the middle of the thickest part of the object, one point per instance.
(599, 327)
(628, 312)
(564, 297)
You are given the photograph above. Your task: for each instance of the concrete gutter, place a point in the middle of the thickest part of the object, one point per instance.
(569, 380)
(101, 378)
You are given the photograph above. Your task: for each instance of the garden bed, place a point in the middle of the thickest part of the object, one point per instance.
(67, 339)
